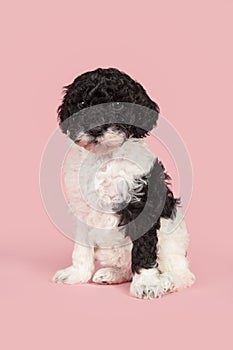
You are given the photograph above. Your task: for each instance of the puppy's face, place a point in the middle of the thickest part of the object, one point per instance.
(100, 110)
(101, 139)
(98, 128)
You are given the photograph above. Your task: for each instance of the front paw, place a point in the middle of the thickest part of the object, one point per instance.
(147, 285)
(146, 291)
(72, 275)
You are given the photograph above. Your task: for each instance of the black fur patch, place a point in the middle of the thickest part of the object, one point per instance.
(155, 200)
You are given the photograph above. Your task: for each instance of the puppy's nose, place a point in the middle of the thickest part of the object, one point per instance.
(96, 132)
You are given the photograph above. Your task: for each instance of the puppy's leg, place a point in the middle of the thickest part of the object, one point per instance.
(118, 261)
(81, 269)
(146, 282)
(173, 244)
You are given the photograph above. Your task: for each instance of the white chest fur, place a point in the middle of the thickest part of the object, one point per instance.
(93, 182)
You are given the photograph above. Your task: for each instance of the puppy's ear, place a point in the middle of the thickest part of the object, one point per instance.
(71, 103)
(146, 118)
(63, 111)
(64, 125)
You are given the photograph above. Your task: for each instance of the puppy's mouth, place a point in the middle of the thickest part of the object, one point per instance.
(90, 146)
(86, 144)
(110, 140)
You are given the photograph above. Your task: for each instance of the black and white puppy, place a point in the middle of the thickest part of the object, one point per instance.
(107, 116)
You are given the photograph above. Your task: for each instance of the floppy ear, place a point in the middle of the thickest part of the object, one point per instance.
(145, 119)
(64, 126)
(71, 103)
(63, 113)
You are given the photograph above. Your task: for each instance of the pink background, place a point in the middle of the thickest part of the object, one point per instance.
(181, 51)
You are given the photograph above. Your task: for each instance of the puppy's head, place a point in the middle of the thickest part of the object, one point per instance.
(101, 109)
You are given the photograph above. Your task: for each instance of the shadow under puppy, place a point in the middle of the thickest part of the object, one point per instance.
(128, 220)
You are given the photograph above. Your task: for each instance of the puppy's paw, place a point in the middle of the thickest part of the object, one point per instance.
(144, 291)
(147, 285)
(167, 283)
(183, 278)
(110, 275)
(71, 275)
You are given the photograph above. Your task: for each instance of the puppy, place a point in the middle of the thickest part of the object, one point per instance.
(127, 216)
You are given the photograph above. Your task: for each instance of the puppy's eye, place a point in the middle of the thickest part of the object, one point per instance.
(82, 104)
(117, 106)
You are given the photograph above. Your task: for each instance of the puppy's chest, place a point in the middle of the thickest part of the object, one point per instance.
(93, 181)
(131, 161)
(108, 180)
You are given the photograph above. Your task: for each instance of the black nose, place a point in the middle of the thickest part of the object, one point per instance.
(96, 132)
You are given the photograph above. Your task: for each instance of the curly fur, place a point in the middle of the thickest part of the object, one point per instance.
(101, 86)
(141, 208)
(160, 204)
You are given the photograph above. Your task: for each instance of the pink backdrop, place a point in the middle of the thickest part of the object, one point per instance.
(181, 51)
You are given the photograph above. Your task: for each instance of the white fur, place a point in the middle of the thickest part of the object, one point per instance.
(114, 182)
(150, 284)
(172, 251)
(173, 264)
(81, 269)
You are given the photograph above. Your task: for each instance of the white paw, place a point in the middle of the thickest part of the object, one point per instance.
(147, 285)
(182, 278)
(166, 281)
(189, 279)
(110, 275)
(143, 291)
(71, 275)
